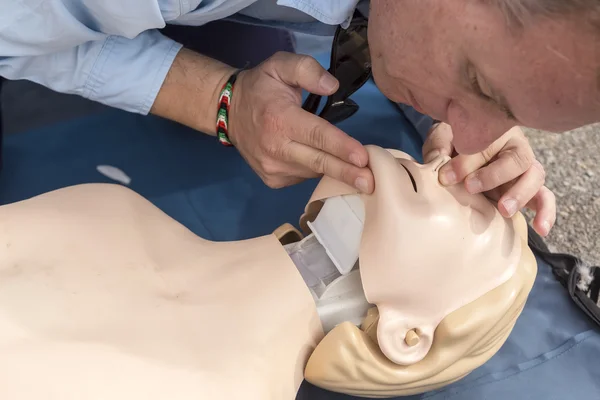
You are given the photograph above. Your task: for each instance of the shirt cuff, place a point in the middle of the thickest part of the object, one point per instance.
(128, 73)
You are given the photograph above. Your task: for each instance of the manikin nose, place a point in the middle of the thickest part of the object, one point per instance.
(437, 163)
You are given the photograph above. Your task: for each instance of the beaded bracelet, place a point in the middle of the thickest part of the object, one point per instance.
(223, 112)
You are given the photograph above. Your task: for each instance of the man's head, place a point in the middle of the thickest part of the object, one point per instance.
(484, 66)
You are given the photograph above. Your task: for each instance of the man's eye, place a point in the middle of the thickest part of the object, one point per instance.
(477, 87)
(509, 114)
(479, 91)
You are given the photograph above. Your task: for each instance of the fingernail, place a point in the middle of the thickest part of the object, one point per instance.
(545, 227)
(355, 159)
(432, 155)
(328, 82)
(474, 185)
(448, 177)
(361, 184)
(510, 205)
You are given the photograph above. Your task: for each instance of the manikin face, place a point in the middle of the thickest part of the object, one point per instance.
(437, 263)
(427, 250)
(460, 62)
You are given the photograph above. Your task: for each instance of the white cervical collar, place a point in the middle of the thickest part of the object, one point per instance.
(327, 259)
(338, 228)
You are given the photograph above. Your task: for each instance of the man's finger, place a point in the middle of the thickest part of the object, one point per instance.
(457, 169)
(544, 205)
(521, 193)
(439, 142)
(314, 131)
(278, 182)
(512, 144)
(302, 71)
(500, 171)
(323, 163)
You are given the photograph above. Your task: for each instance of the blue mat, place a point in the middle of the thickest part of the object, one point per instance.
(552, 353)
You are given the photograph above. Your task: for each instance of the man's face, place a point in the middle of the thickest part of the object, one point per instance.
(460, 62)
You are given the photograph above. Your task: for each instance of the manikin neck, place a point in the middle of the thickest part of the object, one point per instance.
(327, 259)
(338, 297)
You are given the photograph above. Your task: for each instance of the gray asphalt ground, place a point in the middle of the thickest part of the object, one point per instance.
(572, 163)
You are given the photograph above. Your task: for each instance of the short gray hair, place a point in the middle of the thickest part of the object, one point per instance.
(519, 11)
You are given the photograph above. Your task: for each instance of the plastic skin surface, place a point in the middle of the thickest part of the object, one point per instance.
(447, 273)
(103, 296)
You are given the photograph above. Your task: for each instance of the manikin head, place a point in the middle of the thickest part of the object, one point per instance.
(485, 66)
(447, 276)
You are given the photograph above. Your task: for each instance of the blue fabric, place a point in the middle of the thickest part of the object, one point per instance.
(237, 46)
(164, 158)
(111, 52)
(552, 354)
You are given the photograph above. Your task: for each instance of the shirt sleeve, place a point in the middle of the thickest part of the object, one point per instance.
(106, 52)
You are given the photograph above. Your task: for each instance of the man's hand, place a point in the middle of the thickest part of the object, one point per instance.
(283, 143)
(507, 171)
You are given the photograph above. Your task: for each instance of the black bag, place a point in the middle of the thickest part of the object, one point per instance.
(564, 268)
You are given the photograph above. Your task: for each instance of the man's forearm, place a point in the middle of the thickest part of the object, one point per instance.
(190, 92)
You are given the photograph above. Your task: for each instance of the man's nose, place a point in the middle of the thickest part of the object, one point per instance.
(474, 129)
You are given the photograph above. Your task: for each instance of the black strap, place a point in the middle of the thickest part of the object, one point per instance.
(564, 267)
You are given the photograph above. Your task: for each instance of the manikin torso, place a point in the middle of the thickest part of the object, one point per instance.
(104, 296)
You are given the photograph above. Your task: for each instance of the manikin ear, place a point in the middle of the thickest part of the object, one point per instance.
(403, 339)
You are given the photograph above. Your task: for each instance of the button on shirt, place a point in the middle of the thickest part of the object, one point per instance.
(110, 51)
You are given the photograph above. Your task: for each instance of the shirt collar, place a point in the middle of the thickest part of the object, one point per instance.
(330, 12)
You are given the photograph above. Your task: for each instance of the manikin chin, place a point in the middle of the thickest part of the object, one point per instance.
(403, 291)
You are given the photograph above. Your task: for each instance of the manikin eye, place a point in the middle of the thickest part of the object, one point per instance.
(412, 179)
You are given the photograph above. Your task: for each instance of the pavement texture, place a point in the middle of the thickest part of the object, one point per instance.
(572, 163)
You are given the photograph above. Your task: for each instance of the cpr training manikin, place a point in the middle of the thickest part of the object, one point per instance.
(104, 296)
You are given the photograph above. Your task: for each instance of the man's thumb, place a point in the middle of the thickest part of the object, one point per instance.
(439, 142)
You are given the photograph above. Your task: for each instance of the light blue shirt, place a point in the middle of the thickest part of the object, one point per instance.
(109, 51)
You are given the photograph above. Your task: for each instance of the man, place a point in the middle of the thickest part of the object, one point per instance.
(481, 66)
